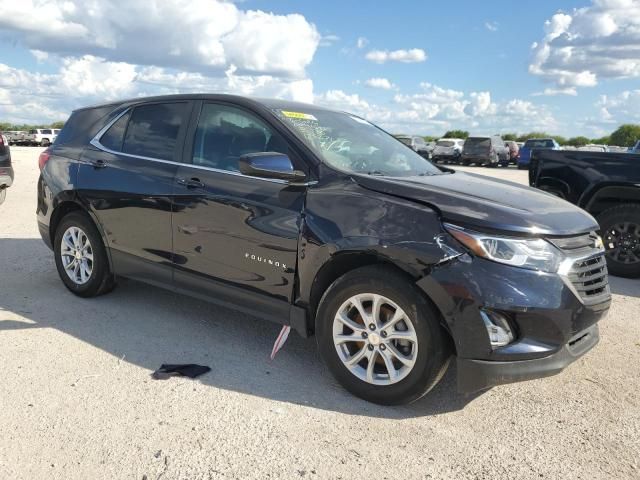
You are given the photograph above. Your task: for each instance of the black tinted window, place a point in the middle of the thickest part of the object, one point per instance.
(226, 133)
(112, 138)
(153, 130)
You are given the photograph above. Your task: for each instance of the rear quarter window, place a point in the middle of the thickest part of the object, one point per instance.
(112, 138)
(153, 130)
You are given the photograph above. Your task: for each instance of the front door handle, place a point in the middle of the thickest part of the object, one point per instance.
(191, 183)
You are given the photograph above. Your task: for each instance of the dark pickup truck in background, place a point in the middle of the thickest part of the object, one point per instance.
(607, 185)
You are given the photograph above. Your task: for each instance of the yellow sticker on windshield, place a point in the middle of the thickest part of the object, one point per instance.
(299, 115)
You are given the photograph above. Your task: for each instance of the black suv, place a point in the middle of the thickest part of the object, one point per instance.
(6, 170)
(319, 220)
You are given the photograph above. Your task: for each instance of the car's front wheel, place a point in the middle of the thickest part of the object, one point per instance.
(380, 337)
(81, 258)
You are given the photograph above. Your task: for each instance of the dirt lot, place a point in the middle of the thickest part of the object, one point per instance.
(77, 401)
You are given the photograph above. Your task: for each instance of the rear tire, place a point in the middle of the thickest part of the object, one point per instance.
(45, 143)
(427, 352)
(620, 227)
(82, 264)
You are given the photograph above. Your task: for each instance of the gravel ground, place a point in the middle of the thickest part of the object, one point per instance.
(77, 401)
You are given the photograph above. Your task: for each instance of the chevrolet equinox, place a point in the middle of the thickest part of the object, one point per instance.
(320, 220)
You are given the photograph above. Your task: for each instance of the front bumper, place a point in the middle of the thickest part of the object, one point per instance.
(476, 375)
(545, 314)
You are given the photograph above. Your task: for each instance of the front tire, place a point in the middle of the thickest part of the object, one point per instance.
(380, 337)
(81, 258)
(620, 228)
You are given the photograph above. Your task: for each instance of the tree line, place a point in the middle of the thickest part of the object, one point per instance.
(624, 136)
(9, 127)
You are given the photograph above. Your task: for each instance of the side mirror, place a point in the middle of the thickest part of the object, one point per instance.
(270, 165)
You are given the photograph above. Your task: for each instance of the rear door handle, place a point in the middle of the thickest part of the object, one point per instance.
(191, 183)
(99, 163)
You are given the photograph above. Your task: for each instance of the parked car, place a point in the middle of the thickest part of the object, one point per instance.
(16, 137)
(448, 150)
(617, 149)
(607, 185)
(487, 151)
(40, 136)
(593, 148)
(417, 144)
(514, 151)
(535, 144)
(6, 170)
(393, 263)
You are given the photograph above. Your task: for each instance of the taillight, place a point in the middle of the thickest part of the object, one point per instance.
(43, 159)
(1, 139)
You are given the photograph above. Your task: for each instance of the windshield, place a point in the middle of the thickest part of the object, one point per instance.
(544, 143)
(351, 144)
(445, 143)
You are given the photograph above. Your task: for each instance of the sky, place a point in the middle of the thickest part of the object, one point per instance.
(411, 66)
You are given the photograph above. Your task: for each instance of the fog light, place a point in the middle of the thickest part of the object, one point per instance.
(498, 328)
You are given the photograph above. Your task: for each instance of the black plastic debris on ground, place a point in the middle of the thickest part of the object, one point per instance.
(190, 370)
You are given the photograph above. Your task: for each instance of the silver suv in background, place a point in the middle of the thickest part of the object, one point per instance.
(448, 150)
(16, 137)
(417, 144)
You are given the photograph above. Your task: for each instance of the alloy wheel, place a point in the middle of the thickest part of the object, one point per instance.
(77, 255)
(622, 242)
(375, 339)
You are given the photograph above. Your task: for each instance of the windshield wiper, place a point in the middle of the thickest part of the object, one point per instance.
(376, 172)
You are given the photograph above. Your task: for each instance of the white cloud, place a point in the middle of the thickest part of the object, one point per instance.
(589, 44)
(491, 26)
(328, 40)
(552, 92)
(108, 49)
(377, 82)
(621, 108)
(362, 42)
(36, 98)
(414, 55)
(196, 35)
(435, 109)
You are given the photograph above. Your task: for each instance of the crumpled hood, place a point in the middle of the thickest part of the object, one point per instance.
(487, 203)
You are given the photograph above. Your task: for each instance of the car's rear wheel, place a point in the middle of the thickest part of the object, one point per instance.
(45, 143)
(380, 337)
(620, 227)
(81, 258)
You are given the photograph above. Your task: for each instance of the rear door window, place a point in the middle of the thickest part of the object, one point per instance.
(153, 130)
(112, 138)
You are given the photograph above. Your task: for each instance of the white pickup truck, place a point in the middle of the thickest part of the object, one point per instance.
(42, 136)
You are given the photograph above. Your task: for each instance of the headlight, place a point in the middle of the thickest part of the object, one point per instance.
(534, 253)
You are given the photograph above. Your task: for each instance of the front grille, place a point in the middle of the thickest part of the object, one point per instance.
(588, 273)
(589, 277)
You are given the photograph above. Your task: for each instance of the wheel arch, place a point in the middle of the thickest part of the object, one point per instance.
(344, 262)
(609, 196)
(67, 206)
